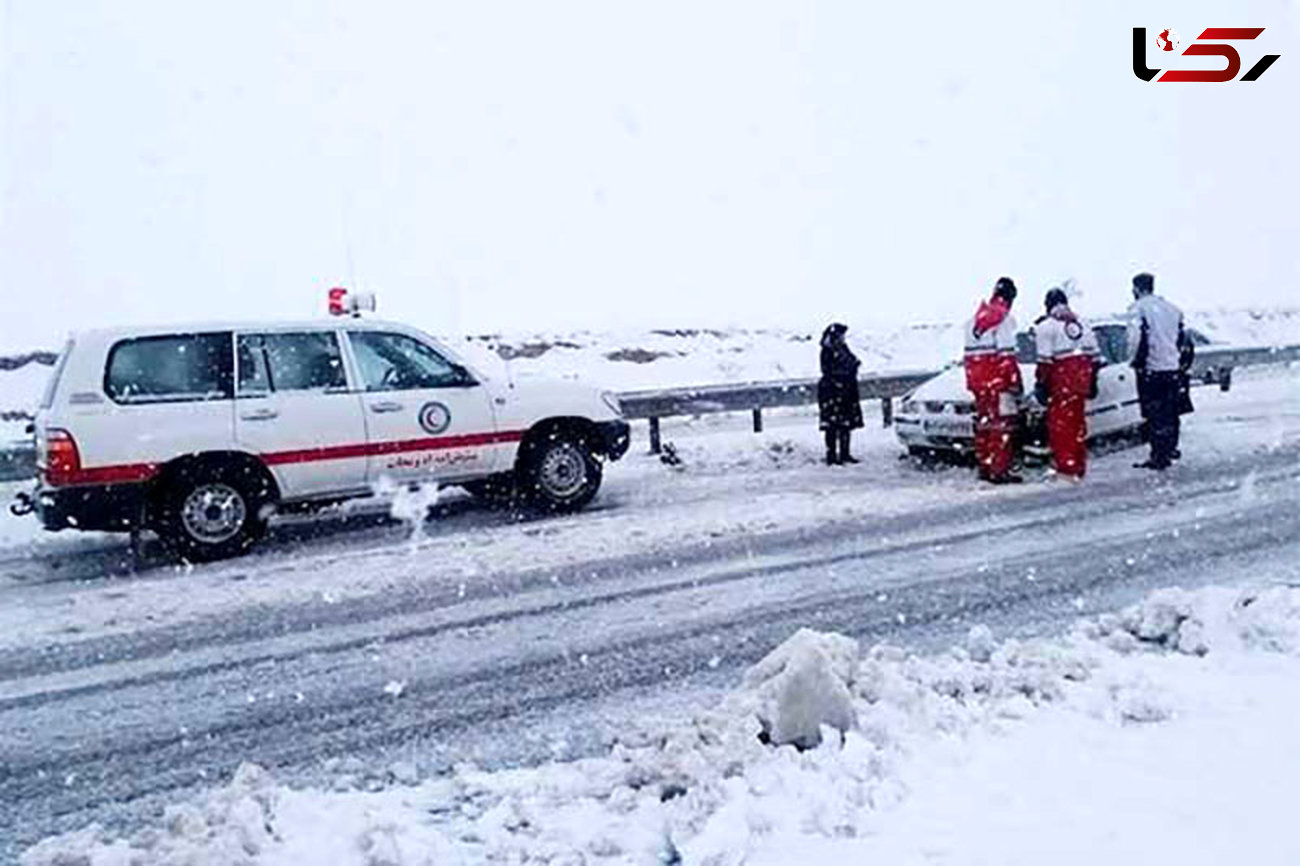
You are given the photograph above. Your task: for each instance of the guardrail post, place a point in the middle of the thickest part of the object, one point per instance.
(758, 420)
(887, 411)
(655, 445)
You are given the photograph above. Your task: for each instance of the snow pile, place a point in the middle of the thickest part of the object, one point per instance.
(1196, 623)
(802, 685)
(710, 790)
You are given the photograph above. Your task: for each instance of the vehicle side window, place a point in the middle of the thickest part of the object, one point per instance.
(396, 362)
(170, 368)
(304, 361)
(1026, 348)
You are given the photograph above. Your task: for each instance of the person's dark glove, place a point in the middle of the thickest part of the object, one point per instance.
(1041, 393)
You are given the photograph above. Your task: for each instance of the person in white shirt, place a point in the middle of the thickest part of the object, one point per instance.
(1156, 340)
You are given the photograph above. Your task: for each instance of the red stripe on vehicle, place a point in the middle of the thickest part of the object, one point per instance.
(134, 473)
(401, 446)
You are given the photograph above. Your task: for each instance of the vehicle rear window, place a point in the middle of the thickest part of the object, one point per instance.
(170, 368)
(52, 386)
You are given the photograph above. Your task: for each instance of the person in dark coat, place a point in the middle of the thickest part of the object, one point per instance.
(838, 399)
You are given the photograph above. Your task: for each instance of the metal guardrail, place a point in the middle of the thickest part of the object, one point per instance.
(757, 396)
(18, 463)
(1211, 361)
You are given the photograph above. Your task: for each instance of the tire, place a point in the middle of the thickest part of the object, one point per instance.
(559, 472)
(209, 511)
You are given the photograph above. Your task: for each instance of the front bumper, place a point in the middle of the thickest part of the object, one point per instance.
(100, 507)
(613, 438)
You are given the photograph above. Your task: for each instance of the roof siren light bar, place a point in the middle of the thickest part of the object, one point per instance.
(345, 303)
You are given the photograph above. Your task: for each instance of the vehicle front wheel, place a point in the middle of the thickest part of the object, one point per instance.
(209, 512)
(560, 472)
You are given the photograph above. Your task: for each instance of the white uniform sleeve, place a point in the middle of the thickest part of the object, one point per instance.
(1090, 345)
(1043, 341)
(1007, 333)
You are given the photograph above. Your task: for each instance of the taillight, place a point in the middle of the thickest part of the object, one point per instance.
(62, 462)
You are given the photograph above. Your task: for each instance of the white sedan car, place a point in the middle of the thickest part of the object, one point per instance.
(938, 417)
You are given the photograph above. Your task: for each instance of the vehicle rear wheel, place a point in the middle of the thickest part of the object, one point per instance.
(560, 472)
(206, 512)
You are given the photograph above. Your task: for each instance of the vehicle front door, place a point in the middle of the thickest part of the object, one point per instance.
(427, 418)
(293, 407)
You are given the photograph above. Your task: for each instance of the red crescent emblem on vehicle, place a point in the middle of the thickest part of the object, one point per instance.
(435, 418)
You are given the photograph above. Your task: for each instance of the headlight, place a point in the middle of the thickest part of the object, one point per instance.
(910, 407)
(611, 400)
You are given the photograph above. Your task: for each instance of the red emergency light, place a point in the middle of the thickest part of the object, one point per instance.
(338, 301)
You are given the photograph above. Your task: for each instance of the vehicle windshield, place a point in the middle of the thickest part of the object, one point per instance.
(1111, 338)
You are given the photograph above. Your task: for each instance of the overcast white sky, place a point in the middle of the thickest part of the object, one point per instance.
(551, 165)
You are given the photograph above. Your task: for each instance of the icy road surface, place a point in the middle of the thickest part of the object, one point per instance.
(482, 638)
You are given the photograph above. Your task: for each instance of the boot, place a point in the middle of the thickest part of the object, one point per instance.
(845, 456)
(832, 448)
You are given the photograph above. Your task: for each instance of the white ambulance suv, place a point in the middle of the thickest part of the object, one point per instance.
(200, 433)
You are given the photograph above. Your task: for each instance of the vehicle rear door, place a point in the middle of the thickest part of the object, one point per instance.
(427, 417)
(294, 407)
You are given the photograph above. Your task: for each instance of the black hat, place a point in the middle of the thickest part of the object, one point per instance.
(1144, 283)
(1055, 298)
(1005, 288)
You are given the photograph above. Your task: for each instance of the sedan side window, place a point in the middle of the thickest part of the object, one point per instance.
(396, 362)
(306, 361)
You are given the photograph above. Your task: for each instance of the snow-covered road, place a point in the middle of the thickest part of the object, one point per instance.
(498, 641)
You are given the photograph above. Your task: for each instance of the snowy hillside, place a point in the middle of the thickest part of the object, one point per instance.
(634, 360)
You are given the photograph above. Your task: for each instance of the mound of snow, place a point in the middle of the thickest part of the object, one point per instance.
(802, 685)
(710, 791)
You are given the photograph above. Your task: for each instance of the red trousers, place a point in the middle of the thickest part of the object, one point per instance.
(1069, 380)
(1067, 432)
(994, 435)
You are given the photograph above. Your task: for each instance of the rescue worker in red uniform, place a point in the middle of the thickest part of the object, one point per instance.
(1068, 356)
(993, 376)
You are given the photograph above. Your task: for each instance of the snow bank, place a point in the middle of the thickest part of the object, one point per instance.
(709, 791)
